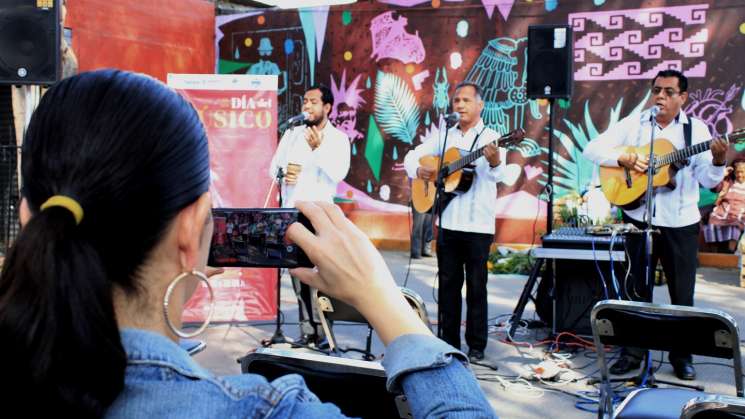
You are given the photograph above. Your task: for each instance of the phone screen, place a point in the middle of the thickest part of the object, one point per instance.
(255, 237)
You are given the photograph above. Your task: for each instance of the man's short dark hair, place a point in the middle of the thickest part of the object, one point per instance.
(682, 80)
(326, 96)
(476, 87)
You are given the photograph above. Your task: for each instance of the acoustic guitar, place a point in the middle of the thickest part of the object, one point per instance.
(457, 171)
(625, 188)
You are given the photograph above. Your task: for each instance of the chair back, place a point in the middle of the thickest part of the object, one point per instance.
(357, 387)
(663, 327)
(417, 303)
(714, 406)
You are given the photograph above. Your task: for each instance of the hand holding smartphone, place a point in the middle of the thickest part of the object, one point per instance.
(255, 237)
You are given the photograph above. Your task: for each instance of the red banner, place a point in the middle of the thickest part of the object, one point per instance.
(239, 113)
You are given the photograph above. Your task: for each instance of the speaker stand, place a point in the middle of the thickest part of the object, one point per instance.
(517, 314)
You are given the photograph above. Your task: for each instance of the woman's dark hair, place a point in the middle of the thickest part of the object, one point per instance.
(132, 153)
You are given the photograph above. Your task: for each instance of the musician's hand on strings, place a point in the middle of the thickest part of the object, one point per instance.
(634, 161)
(491, 153)
(314, 137)
(426, 173)
(719, 147)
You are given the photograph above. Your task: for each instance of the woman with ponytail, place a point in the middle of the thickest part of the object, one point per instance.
(116, 228)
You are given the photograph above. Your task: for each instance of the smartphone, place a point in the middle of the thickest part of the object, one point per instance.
(255, 237)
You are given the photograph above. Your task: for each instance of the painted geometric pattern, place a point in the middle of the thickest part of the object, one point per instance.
(621, 50)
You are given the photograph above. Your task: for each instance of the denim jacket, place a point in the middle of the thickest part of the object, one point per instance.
(163, 381)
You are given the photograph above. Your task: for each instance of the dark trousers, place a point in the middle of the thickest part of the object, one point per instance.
(421, 231)
(677, 250)
(459, 252)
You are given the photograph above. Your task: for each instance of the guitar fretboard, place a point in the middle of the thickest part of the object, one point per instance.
(465, 160)
(699, 148)
(472, 156)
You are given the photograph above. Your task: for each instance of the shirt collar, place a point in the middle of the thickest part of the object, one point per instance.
(680, 118)
(478, 127)
(143, 346)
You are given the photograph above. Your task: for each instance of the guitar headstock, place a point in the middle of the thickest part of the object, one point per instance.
(736, 137)
(512, 138)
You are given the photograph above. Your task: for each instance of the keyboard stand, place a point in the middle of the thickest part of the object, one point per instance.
(517, 314)
(543, 253)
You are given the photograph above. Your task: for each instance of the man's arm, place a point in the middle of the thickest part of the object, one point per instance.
(333, 156)
(492, 166)
(709, 166)
(428, 147)
(603, 149)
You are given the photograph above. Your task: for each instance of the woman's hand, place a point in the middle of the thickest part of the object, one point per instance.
(348, 267)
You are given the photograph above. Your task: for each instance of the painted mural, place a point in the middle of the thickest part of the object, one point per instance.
(392, 66)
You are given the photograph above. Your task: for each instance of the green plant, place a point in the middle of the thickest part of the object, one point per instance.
(513, 263)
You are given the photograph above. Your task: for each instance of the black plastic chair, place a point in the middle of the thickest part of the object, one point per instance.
(192, 346)
(661, 327)
(357, 387)
(330, 309)
(709, 407)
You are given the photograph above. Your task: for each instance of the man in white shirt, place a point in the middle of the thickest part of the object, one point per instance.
(467, 222)
(675, 212)
(314, 158)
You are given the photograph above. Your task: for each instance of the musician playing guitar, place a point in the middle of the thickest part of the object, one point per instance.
(467, 221)
(674, 208)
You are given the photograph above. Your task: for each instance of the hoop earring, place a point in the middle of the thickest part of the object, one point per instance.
(202, 277)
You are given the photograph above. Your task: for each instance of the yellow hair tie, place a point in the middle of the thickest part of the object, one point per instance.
(67, 203)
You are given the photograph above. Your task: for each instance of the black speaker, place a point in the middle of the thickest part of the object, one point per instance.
(566, 302)
(29, 41)
(549, 61)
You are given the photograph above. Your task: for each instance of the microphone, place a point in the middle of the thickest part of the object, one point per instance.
(653, 111)
(452, 118)
(298, 119)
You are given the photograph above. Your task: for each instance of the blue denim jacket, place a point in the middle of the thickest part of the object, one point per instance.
(163, 381)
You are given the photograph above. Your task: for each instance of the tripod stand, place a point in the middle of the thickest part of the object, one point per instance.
(538, 263)
(278, 336)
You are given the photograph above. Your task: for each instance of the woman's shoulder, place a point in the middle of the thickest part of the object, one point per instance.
(162, 379)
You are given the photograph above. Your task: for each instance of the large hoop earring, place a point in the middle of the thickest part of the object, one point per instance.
(203, 278)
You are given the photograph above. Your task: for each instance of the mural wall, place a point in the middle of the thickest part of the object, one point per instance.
(148, 37)
(393, 64)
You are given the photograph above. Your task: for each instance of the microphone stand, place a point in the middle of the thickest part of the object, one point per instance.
(651, 380)
(439, 192)
(278, 336)
(648, 271)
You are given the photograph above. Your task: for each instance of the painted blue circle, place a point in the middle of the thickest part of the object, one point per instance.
(289, 46)
(462, 28)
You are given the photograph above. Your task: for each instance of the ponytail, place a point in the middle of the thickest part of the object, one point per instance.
(132, 156)
(58, 330)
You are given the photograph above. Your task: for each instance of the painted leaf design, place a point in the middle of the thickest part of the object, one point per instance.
(396, 110)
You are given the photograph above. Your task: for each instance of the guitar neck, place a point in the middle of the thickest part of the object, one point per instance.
(467, 159)
(682, 154)
(699, 148)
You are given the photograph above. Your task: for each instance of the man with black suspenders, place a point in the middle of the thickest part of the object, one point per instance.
(467, 222)
(674, 211)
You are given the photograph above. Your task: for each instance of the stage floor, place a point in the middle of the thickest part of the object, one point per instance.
(715, 288)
